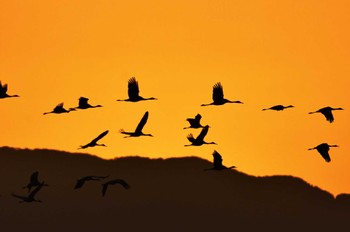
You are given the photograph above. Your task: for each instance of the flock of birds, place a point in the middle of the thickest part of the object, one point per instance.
(38, 185)
(133, 96)
(34, 182)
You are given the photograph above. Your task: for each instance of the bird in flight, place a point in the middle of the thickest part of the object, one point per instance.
(133, 92)
(31, 195)
(194, 122)
(34, 181)
(218, 96)
(58, 110)
(278, 107)
(323, 149)
(200, 138)
(3, 91)
(113, 182)
(94, 143)
(218, 163)
(83, 104)
(82, 180)
(327, 112)
(138, 130)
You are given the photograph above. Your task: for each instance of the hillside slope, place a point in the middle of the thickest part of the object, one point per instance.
(165, 195)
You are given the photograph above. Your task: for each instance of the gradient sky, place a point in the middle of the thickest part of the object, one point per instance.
(263, 52)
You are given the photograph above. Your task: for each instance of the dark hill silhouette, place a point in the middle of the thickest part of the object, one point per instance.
(167, 195)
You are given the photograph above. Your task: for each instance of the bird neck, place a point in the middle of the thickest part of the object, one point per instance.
(13, 95)
(150, 98)
(210, 143)
(234, 102)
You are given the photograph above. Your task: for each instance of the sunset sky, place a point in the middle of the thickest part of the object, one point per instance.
(263, 52)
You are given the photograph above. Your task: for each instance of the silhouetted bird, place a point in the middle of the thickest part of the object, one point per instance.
(83, 104)
(327, 112)
(34, 181)
(218, 163)
(200, 138)
(138, 130)
(279, 107)
(194, 122)
(133, 92)
(82, 181)
(218, 96)
(113, 182)
(94, 141)
(58, 110)
(323, 149)
(31, 195)
(3, 91)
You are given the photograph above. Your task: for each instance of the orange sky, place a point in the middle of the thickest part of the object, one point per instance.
(263, 52)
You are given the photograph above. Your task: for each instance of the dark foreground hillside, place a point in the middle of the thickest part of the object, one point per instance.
(165, 195)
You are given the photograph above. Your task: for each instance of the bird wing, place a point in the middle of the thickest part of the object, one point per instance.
(192, 121)
(326, 156)
(121, 182)
(3, 88)
(323, 150)
(36, 190)
(328, 115)
(18, 196)
(198, 117)
(104, 188)
(203, 133)
(59, 106)
(83, 101)
(217, 159)
(133, 88)
(80, 183)
(34, 178)
(218, 92)
(142, 123)
(100, 136)
(190, 138)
